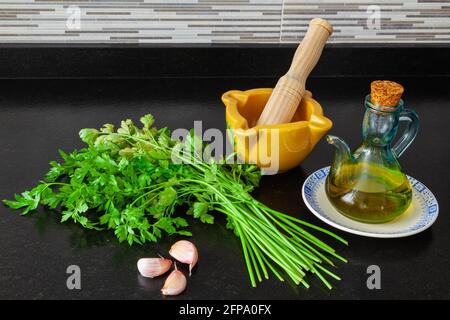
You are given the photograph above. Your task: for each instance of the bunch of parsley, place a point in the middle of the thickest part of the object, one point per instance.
(131, 180)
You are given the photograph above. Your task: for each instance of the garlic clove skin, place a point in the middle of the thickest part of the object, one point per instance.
(153, 267)
(185, 252)
(175, 283)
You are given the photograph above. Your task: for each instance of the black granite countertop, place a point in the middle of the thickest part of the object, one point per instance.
(39, 116)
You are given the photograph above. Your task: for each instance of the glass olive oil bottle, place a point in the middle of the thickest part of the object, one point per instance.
(369, 185)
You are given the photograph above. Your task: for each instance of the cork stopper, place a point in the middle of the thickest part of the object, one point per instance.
(385, 93)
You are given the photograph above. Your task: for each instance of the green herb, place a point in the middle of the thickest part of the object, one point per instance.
(132, 179)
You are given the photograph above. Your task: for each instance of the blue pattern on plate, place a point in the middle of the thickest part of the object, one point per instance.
(427, 201)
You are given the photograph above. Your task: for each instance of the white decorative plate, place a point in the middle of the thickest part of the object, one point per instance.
(421, 214)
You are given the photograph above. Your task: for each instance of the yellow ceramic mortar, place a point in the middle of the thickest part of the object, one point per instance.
(295, 139)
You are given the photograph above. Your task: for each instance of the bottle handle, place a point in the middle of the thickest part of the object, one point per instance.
(412, 127)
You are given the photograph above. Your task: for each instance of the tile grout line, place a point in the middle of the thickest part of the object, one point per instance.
(281, 22)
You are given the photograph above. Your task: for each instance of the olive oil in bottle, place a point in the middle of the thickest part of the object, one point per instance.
(370, 193)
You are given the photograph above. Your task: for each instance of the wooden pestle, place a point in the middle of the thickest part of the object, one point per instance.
(288, 92)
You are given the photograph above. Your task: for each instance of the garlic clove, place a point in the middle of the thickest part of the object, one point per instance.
(175, 283)
(153, 267)
(185, 252)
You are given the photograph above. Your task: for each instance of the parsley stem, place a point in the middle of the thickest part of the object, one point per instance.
(247, 262)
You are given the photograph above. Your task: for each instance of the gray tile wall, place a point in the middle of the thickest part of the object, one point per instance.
(221, 21)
